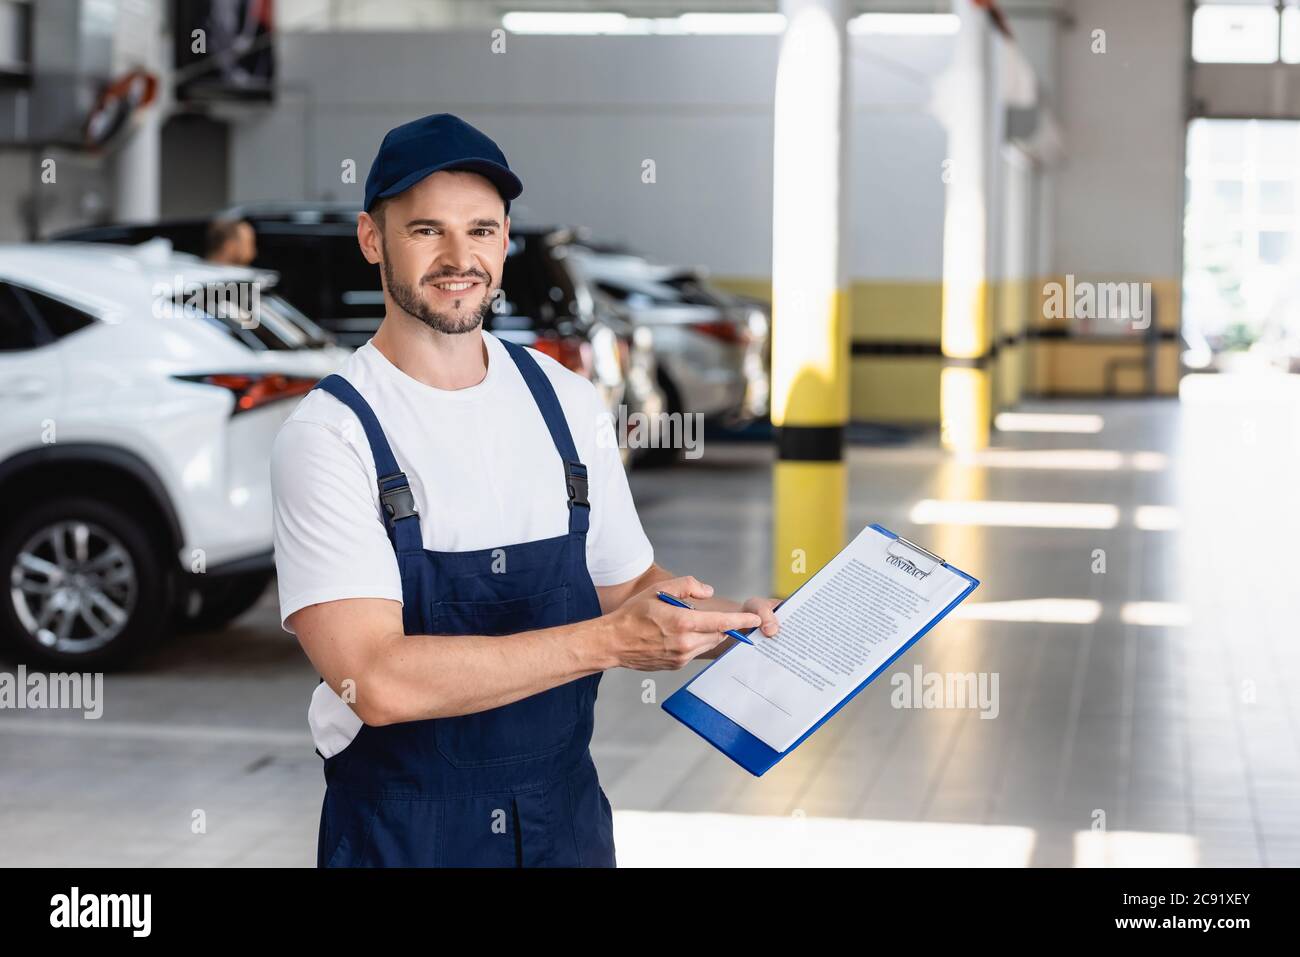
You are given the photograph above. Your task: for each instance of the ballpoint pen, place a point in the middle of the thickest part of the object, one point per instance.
(665, 597)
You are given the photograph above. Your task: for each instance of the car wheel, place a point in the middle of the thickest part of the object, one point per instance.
(87, 586)
(209, 605)
(659, 456)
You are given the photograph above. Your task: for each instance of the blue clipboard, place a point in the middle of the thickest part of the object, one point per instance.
(753, 754)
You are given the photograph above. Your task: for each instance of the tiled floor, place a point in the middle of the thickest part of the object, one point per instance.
(1144, 713)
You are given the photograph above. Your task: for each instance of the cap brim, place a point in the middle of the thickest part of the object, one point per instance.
(506, 182)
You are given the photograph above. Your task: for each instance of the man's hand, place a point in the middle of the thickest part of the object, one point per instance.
(646, 634)
(764, 608)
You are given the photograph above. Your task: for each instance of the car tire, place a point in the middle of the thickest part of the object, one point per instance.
(88, 588)
(209, 605)
(658, 457)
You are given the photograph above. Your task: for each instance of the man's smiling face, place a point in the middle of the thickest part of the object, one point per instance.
(442, 244)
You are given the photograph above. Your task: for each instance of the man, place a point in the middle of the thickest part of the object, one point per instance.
(458, 551)
(231, 242)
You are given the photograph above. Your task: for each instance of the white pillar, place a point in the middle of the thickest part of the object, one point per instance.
(140, 42)
(810, 355)
(137, 169)
(965, 103)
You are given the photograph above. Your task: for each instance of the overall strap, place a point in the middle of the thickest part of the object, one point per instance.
(395, 498)
(575, 473)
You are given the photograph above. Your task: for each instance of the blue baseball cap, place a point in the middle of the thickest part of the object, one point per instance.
(414, 150)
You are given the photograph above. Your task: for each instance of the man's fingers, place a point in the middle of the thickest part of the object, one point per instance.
(765, 608)
(685, 588)
(715, 622)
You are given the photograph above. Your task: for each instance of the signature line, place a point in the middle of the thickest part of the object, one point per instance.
(768, 700)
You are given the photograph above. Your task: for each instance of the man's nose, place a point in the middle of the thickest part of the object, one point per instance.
(455, 255)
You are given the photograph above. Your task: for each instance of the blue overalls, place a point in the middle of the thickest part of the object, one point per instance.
(511, 786)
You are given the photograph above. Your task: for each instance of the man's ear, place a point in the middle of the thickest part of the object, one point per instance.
(369, 239)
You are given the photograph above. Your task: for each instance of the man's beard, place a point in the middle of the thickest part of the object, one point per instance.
(409, 299)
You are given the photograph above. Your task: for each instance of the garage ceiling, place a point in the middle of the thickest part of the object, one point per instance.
(443, 14)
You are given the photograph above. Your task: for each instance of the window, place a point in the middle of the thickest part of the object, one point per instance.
(280, 310)
(1273, 247)
(656, 287)
(269, 323)
(17, 329)
(29, 319)
(1275, 197)
(1235, 33)
(1229, 195)
(1246, 31)
(1241, 278)
(1291, 33)
(60, 318)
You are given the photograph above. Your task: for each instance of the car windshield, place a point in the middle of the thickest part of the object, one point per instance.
(261, 321)
(315, 336)
(641, 283)
(642, 292)
(694, 290)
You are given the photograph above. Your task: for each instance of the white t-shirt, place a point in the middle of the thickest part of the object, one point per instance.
(482, 467)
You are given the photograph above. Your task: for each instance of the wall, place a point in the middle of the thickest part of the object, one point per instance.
(1118, 196)
(195, 166)
(578, 117)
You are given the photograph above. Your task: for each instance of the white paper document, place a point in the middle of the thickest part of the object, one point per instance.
(837, 629)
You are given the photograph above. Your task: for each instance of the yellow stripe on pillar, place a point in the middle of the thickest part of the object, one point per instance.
(808, 502)
(965, 385)
(809, 410)
(810, 365)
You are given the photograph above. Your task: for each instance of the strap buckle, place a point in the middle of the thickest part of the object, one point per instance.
(397, 502)
(575, 479)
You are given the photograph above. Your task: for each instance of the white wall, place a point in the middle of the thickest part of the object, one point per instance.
(1119, 193)
(576, 116)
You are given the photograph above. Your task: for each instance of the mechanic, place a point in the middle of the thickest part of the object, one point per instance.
(458, 551)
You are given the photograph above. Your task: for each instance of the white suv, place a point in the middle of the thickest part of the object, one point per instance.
(140, 392)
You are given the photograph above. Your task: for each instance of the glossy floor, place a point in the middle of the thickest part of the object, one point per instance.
(1135, 632)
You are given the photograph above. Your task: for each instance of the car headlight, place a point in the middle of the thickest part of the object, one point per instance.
(606, 364)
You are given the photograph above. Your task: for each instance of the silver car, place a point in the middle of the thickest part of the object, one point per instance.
(711, 348)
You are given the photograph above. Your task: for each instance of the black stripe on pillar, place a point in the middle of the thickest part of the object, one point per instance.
(1058, 333)
(882, 348)
(929, 349)
(975, 362)
(810, 443)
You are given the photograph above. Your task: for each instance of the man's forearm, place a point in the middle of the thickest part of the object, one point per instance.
(414, 677)
(397, 678)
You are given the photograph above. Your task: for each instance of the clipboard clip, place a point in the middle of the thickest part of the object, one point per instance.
(900, 540)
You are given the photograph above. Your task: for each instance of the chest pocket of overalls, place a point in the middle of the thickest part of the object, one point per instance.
(529, 728)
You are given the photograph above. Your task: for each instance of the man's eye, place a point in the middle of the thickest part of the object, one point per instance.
(426, 231)
(483, 231)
